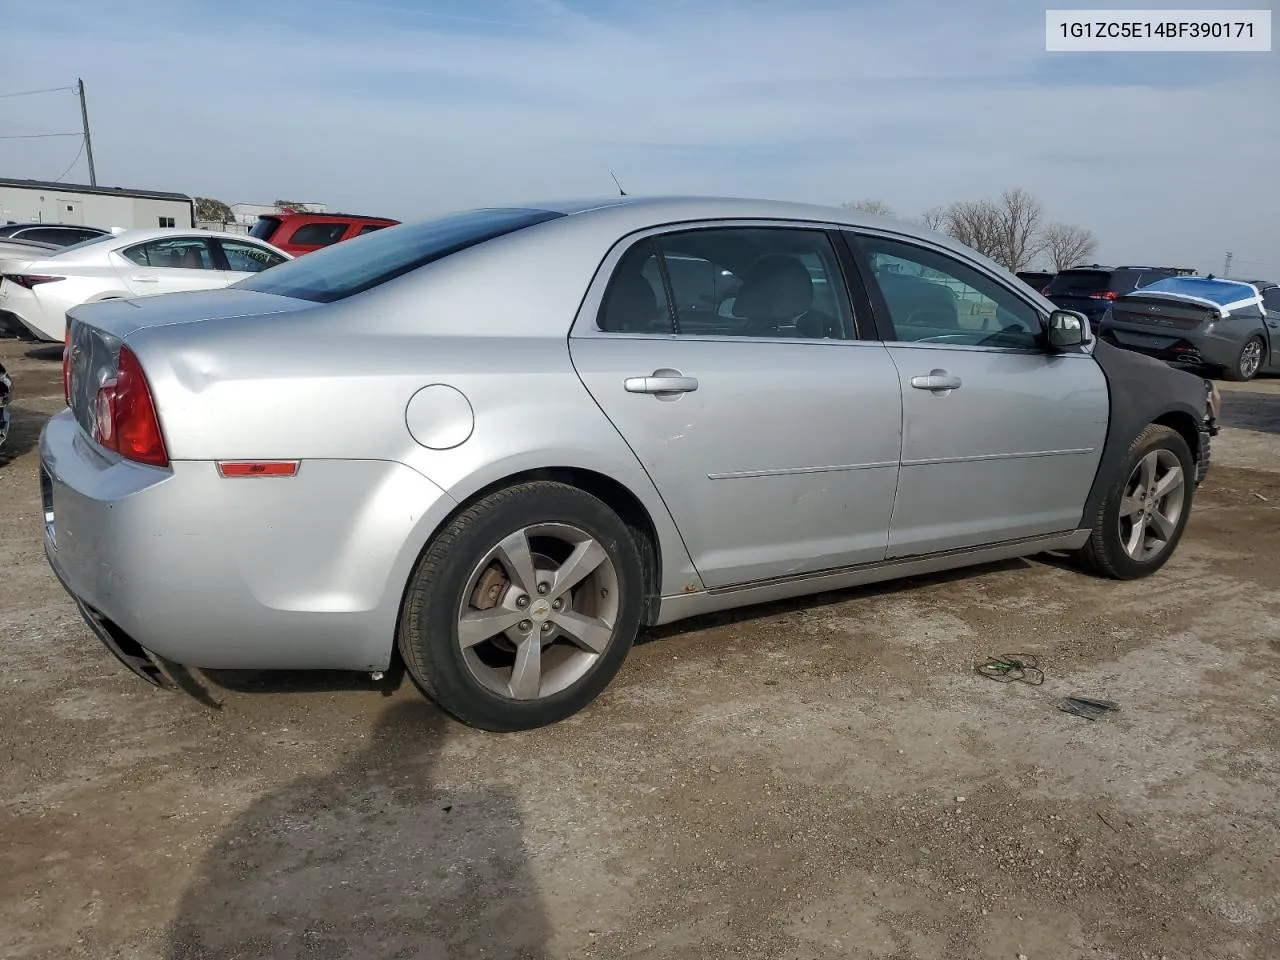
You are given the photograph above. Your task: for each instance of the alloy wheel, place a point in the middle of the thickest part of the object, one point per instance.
(1152, 504)
(1251, 359)
(538, 611)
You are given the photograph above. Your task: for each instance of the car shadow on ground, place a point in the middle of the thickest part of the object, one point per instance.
(374, 859)
(45, 351)
(830, 598)
(1246, 410)
(24, 433)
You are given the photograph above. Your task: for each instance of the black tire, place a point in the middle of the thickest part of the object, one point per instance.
(427, 634)
(1104, 553)
(1237, 372)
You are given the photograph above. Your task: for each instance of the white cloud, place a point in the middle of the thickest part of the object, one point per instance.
(411, 111)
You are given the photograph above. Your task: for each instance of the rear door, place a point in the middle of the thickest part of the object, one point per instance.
(1001, 439)
(170, 265)
(770, 429)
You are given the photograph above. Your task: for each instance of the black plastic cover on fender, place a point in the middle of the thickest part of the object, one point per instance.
(1141, 390)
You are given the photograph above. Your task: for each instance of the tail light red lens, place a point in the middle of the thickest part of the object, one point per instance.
(30, 280)
(125, 418)
(1104, 295)
(66, 366)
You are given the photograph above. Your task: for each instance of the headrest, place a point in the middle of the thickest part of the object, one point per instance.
(778, 287)
(631, 304)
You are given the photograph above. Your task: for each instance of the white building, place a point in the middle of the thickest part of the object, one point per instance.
(248, 213)
(39, 201)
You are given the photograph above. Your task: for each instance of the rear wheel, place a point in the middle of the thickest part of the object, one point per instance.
(522, 610)
(1249, 360)
(1145, 512)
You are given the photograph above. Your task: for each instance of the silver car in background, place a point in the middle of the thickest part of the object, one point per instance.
(505, 440)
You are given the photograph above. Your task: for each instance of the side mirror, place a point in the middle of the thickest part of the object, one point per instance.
(1067, 329)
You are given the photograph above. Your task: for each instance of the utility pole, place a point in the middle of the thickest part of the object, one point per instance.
(88, 144)
(1226, 267)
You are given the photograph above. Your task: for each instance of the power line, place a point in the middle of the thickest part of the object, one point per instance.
(38, 136)
(31, 93)
(79, 153)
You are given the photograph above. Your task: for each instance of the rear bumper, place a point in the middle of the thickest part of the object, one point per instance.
(1194, 348)
(262, 573)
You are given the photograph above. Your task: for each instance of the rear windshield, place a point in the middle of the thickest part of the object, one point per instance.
(264, 228)
(361, 263)
(1079, 281)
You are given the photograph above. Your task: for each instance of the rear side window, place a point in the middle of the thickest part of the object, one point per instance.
(345, 269)
(1271, 299)
(730, 282)
(179, 253)
(318, 234)
(370, 227)
(264, 228)
(54, 235)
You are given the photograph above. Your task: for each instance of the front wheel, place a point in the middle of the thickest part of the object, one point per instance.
(1248, 362)
(1145, 511)
(522, 610)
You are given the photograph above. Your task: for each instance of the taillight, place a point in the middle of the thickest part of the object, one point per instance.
(1104, 295)
(66, 366)
(124, 415)
(30, 280)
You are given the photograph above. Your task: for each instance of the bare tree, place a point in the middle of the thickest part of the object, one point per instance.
(976, 224)
(1018, 236)
(935, 218)
(1067, 245)
(870, 206)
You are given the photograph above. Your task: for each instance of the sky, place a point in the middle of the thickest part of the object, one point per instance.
(410, 108)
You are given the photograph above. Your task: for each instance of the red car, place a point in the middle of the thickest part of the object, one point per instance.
(299, 233)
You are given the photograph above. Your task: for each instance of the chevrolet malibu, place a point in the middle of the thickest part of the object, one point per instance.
(503, 441)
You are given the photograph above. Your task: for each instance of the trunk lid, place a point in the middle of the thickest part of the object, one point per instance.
(97, 330)
(1162, 313)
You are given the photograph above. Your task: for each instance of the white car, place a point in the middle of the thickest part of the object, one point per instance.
(35, 294)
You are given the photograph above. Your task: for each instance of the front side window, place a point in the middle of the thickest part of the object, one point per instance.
(318, 234)
(178, 253)
(934, 298)
(248, 257)
(768, 282)
(1271, 299)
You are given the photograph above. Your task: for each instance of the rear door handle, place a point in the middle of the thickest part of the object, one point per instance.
(661, 381)
(936, 380)
(146, 279)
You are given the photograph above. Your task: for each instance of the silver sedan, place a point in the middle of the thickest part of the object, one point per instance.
(503, 441)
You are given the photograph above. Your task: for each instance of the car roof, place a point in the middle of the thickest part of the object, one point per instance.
(625, 214)
(281, 215)
(9, 228)
(140, 234)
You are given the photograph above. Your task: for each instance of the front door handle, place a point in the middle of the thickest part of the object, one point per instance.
(661, 382)
(937, 380)
(146, 279)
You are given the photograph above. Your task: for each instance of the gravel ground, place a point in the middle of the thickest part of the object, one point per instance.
(827, 778)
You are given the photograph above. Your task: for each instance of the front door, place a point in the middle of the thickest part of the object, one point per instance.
(770, 430)
(1001, 439)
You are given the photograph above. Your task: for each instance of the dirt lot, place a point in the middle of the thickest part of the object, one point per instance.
(818, 779)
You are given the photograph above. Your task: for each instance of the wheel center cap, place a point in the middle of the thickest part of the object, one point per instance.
(539, 610)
